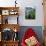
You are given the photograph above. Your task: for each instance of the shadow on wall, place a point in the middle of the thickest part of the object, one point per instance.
(37, 29)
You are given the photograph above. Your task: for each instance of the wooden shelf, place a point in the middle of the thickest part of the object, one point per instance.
(4, 12)
(9, 43)
(11, 26)
(9, 8)
(3, 23)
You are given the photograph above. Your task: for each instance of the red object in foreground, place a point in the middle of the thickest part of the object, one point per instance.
(29, 33)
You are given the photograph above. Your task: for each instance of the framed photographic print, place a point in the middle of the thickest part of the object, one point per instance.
(5, 12)
(30, 13)
(13, 12)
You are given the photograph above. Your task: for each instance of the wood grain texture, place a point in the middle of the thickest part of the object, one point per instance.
(11, 26)
(44, 6)
(11, 43)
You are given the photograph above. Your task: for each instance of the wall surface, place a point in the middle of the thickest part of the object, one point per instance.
(37, 4)
(37, 29)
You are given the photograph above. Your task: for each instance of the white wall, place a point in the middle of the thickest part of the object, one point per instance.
(37, 4)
